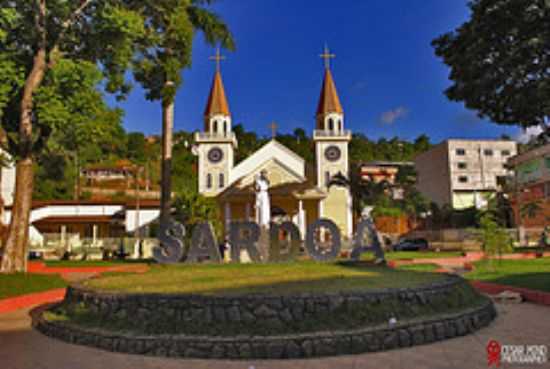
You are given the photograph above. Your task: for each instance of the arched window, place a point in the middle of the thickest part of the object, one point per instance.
(225, 127)
(215, 126)
(327, 178)
(209, 181)
(330, 125)
(340, 127)
(221, 182)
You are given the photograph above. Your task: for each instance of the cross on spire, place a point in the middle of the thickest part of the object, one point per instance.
(273, 126)
(218, 57)
(327, 56)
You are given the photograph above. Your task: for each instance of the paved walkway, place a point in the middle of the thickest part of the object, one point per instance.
(23, 348)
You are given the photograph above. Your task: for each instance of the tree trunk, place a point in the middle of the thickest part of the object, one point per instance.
(15, 250)
(166, 170)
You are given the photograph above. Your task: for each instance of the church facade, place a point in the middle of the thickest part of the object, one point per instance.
(298, 191)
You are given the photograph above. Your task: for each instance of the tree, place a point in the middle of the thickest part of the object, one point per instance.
(34, 36)
(500, 61)
(171, 27)
(136, 147)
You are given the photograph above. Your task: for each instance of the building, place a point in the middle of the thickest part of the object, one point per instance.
(298, 192)
(532, 185)
(7, 180)
(378, 171)
(462, 172)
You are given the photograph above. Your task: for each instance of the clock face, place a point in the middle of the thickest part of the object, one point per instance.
(333, 153)
(215, 155)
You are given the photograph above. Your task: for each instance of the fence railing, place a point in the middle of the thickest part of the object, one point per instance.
(57, 246)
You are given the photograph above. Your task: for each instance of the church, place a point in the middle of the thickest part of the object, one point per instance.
(298, 191)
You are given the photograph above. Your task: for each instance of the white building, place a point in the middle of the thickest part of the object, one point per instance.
(462, 172)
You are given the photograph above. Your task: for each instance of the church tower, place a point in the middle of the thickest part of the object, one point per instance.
(217, 142)
(331, 152)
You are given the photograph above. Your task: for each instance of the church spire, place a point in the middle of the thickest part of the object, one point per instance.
(217, 101)
(329, 102)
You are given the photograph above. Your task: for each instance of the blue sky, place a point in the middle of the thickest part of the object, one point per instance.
(388, 77)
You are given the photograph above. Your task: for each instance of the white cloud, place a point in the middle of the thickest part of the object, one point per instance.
(390, 116)
(529, 133)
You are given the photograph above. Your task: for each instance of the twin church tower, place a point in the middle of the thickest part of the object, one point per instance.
(299, 191)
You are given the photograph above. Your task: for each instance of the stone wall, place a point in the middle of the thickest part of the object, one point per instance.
(274, 314)
(370, 339)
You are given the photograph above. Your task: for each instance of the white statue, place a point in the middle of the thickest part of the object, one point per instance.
(263, 206)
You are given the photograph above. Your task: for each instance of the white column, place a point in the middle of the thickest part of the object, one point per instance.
(94, 234)
(301, 219)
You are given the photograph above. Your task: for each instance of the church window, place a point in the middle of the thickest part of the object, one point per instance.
(327, 177)
(225, 127)
(221, 182)
(215, 126)
(330, 125)
(340, 125)
(209, 180)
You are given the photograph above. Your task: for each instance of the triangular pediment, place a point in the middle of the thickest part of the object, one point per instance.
(280, 163)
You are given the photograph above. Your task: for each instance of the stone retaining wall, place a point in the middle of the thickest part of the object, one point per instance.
(276, 347)
(275, 313)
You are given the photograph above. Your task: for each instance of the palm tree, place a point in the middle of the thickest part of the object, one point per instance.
(167, 50)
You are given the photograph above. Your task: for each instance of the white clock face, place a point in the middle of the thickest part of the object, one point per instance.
(333, 153)
(215, 155)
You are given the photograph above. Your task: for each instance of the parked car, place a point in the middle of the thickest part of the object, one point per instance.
(411, 244)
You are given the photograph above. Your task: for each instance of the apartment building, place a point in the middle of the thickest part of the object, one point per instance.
(462, 172)
(532, 186)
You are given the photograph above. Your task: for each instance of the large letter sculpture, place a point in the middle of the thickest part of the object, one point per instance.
(244, 235)
(203, 244)
(170, 237)
(314, 250)
(275, 253)
(373, 245)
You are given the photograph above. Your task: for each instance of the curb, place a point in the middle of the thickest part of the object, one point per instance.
(534, 296)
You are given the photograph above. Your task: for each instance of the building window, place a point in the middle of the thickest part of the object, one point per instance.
(209, 180)
(463, 179)
(330, 125)
(488, 152)
(215, 126)
(327, 177)
(221, 181)
(460, 152)
(225, 130)
(505, 152)
(462, 165)
(340, 127)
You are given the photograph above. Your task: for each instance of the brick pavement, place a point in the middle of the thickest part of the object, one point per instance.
(23, 348)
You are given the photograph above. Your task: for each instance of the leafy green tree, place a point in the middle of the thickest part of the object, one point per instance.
(496, 240)
(136, 147)
(34, 36)
(500, 61)
(171, 26)
(192, 208)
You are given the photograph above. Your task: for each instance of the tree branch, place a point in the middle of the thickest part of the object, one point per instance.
(64, 28)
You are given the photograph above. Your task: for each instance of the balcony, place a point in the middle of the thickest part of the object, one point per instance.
(201, 137)
(321, 134)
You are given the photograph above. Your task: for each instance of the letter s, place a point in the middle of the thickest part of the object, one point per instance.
(170, 238)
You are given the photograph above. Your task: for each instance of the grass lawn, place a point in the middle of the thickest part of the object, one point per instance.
(425, 267)
(89, 263)
(20, 283)
(284, 278)
(395, 255)
(531, 273)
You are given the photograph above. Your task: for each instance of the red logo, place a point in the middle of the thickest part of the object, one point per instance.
(493, 353)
